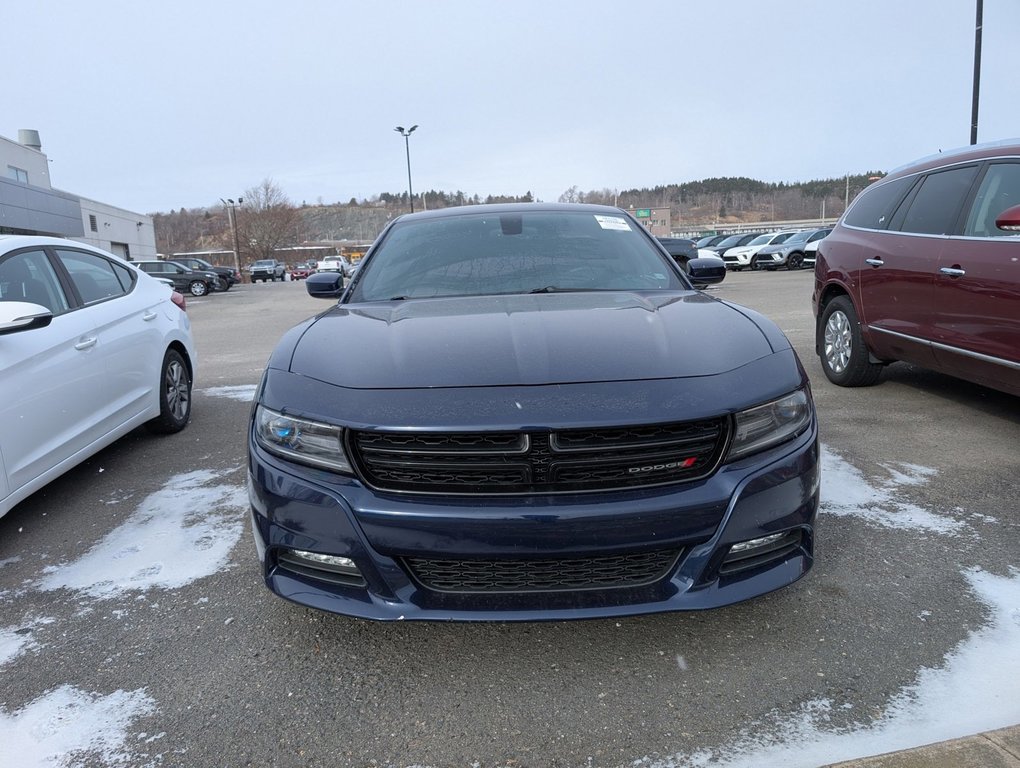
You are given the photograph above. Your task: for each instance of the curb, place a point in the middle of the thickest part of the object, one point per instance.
(994, 749)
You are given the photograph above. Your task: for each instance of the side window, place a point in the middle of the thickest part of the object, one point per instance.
(936, 206)
(999, 190)
(29, 276)
(92, 275)
(874, 207)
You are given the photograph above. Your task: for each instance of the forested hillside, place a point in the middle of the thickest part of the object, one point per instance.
(705, 204)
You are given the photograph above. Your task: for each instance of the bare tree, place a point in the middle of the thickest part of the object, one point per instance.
(572, 195)
(267, 221)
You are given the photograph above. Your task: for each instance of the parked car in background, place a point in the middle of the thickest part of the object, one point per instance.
(811, 250)
(709, 240)
(228, 276)
(681, 249)
(301, 271)
(923, 267)
(789, 253)
(335, 263)
(91, 348)
(195, 282)
(740, 257)
(267, 269)
(477, 455)
(733, 241)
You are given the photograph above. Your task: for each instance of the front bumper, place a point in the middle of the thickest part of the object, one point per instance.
(298, 508)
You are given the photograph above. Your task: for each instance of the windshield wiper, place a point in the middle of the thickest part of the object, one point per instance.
(557, 289)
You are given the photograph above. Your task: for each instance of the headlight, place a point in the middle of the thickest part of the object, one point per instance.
(767, 425)
(308, 442)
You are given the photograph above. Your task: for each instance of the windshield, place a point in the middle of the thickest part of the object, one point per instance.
(731, 240)
(782, 238)
(761, 240)
(800, 237)
(518, 252)
(264, 263)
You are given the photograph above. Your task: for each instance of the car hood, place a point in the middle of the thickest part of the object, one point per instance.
(527, 340)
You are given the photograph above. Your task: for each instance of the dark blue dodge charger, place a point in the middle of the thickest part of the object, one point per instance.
(526, 412)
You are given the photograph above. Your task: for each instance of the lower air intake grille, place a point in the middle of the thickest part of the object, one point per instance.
(505, 576)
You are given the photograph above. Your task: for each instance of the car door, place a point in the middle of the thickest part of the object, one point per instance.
(899, 265)
(43, 406)
(120, 378)
(977, 288)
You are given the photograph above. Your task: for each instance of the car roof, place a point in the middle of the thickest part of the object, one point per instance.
(11, 242)
(1003, 147)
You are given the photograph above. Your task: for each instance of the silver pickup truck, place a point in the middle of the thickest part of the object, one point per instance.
(267, 269)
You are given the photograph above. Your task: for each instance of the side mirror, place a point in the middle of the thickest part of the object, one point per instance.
(1009, 219)
(704, 272)
(18, 316)
(325, 285)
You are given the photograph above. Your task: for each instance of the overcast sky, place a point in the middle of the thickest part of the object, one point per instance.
(152, 106)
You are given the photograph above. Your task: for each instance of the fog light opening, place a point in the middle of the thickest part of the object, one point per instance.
(763, 550)
(334, 568)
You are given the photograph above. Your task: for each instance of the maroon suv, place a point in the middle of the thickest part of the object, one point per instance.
(925, 267)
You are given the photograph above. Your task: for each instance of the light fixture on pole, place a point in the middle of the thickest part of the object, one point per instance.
(407, 146)
(232, 214)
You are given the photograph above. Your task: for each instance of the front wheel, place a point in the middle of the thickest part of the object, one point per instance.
(795, 261)
(844, 355)
(198, 288)
(174, 395)
(755, 266)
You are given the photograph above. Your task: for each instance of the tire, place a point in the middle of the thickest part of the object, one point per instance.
(174, 395)
(795, 261)
(198, 288)
(755, 266)
(845, 358)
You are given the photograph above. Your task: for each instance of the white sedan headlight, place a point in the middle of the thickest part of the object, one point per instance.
(767, 425)
(308, 442)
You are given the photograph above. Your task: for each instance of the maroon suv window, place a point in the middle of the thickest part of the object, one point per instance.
(999, 190)
(937, 203)
(873, 209)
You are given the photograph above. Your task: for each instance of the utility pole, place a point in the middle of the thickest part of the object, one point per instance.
(977, 73)
(232, 215)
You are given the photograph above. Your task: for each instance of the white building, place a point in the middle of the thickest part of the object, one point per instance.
(29, 205)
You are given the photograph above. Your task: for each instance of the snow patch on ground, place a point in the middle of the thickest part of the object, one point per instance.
(15, 641)
(181, 533)
(244, 392)
(974, 691)
(67, 724)
(846, 492)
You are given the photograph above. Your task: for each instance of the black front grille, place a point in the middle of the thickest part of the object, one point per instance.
(539, 462)
(508, 576)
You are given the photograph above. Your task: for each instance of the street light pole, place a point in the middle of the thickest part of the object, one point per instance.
(232, 214)
(407, 146)
(977, 73)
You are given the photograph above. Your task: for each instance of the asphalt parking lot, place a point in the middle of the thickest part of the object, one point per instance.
(134, 628)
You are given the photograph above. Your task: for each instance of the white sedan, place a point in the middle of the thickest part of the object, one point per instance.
(90, 349)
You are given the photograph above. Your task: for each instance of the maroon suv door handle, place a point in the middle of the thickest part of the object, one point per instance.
(953, 271)
(874, 262)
